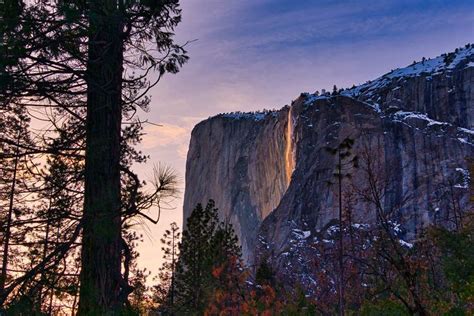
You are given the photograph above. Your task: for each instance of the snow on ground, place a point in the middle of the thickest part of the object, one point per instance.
(428, 66)
(465, 130)
(396, 227)
(360, 226)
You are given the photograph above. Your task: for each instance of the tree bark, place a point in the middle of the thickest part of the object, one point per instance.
(101, 279)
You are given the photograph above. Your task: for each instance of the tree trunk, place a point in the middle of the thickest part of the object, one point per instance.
(6, 238)
(341, 241)
(101, 279)
(43, 258)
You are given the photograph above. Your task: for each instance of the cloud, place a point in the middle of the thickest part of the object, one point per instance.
(165, 135)
(332, 23)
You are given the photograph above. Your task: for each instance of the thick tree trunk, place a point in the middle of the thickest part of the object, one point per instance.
(101, 279)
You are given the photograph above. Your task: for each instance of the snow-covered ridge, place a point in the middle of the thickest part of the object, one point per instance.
(461, 57)
(430, 66)
(310, 98)
(255, 116)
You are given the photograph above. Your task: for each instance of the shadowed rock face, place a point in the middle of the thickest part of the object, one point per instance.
(417, 165)
(416, 125)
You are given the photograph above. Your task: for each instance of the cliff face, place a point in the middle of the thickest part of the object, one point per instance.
(237, 160)
(269, 172)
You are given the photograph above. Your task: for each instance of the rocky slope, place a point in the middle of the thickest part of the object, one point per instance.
(269, 172)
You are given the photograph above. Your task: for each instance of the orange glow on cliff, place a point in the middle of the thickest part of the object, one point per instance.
(289, 162)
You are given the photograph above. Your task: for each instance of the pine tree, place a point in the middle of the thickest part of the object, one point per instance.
(230, 293)
(193, 274)
(165, 292)
(265, 274)
(138, 302)
(345, 160)
(206, 244)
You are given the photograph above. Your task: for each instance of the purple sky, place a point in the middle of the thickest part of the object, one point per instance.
(255, 54)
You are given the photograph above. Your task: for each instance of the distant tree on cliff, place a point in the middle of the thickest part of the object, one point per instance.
(345, 161)
(207, 244)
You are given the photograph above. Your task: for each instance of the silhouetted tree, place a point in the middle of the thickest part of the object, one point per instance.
(345, 161)
(207, 243)
(68, 59)
(165, 291)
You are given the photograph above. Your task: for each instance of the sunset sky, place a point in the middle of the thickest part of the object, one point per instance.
(253, 54)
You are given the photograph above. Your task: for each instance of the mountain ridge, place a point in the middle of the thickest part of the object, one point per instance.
(446, 62)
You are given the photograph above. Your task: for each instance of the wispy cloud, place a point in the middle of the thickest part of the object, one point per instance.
(165, 135)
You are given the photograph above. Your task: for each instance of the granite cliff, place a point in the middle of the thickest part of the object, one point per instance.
(268, 172)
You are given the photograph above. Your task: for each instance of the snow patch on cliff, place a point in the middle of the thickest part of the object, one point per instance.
(403, 115)
(465, 130)
(311, 98)
(464, 178)
(405, 244)
(460, 56)
(300, 234)
(256, 116)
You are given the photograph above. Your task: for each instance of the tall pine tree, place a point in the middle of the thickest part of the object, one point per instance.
(207, 243)
(165, 291)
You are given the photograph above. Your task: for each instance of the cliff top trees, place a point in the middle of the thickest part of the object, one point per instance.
(82, 68)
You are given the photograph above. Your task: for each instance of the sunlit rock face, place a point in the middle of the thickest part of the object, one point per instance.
(238, 160)
(269, 172)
